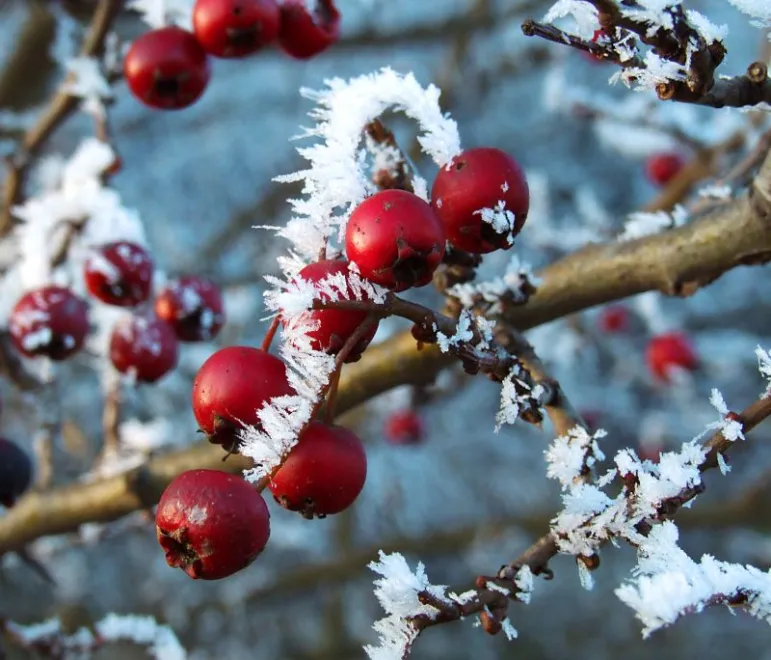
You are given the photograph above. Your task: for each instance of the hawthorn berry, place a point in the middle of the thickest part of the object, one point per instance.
(51, 321)
(211, 524)
(670, 350)
(231, 387)
(662, 168)
(15, 472)
(193, 306)
(613, 319)
(167, 68)
(235, 28)
(305, 33)
(404, 427)
(324, 472)
(119, 274)
(395, 239)
(482, 198)
(143, 346)
(335, 326)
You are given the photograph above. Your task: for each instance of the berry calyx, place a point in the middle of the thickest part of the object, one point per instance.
(482, 198)
(305, 34)
(211, 524)
(144, 347)
(231, 387)
(15, 472)
(324, 472)
(51, 321)
(335, 326)
(395, 239)
(167, 68)
(662, 168)
(235, 28)
(668, 351)
(193, 306)
(404, 427)
(613, 319)
(119, 274)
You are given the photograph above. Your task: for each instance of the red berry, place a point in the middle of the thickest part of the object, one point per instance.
(662, 168)
(50, 321)
(193, 306)
(167, 68)
(335, 326)
(404, 428)
(323, 474)
(144, 347)
(395, 240)
(235, 28)
(479, 179)
(672, 349)
(15, 472)
(231, 387)
(119, 274)
(614, 319)
(305, 34)
(211, 524)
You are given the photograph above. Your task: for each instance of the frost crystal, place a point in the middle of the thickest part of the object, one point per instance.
(160, 640)
(159, 13)
(764, 366)
(645, 224)
(509, 287)
(569, 456)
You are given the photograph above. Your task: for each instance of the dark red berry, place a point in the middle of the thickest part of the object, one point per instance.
(662, 168)
(404, 428)
(670, 350)
(15, 472)
(231, 387)
(479, 179)
(395, 239)
(211, 524)
(119, 274)
(614, 319)
(235, 28)
(304, 33)
(167, 68)
(144, 347)
(193, 306)
(50, 321)
(323, 474)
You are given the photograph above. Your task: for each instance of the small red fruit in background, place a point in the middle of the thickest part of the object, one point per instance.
(395, 239)
(662, 168)
(15, 472)
(144, 347)
(480, 179)
(193, 306)
(231, 387)
(613, 319)
(335, 325)
(670, 350)
(323, 474)
(305, 34)
(592, 419)
(51, 321)
(167, 68)
(119, 274)
(404, 427)
(235, 28)
(211, 524)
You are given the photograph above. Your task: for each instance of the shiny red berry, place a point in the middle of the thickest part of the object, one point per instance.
(119, 274)
(193, 306)
(15, 472)
(323, 474)
(662, 168)
(477, 179)
(167, 68)
(404, 427)
(613, 319)
(395, 239)
(211, 524)
(305, 33)
(231, 387)
(51, 321)
(668, 351)
(144, 347)
(235, 28)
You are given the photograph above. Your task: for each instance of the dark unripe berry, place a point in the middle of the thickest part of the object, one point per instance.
(335, 325)
(395, 239)
(144, 347)
(193, 306)
(324, 472)
(211, 524)
(119, 274)
(668, 351)
(15, 472)
(404, 427)
(480, 179)
(231, 387)
(167, 68)
(235, 28)
(305, 34)
(662, 168)
(51, 321)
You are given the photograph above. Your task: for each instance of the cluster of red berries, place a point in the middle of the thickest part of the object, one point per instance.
(52, 321)
(168, 68)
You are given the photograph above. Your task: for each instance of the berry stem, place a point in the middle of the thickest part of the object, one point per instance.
(271, 333)
(329, 408)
